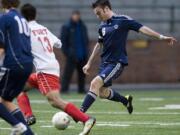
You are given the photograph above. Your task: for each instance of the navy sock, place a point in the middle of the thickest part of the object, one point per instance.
(6, 115)
(115, 96)
(18, 115)
(88, 101)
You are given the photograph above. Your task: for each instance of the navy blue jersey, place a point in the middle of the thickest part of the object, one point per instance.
(15, 38)
(113, 35)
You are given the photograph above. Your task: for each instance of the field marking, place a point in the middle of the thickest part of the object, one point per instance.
(166, 107)
(118, 113)
(5, 128)
(46, 102)
(122, 124)
(112, 125)
(143, 123)
(151, 99)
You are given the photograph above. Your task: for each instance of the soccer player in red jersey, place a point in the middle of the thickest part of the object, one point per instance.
(46, 76)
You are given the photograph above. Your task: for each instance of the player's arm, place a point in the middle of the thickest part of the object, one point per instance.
(136, 26)
(1, 52)
(149, 32)
(95, 52)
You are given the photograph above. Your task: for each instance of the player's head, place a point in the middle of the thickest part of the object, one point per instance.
(29, 12)
(102, 8)
(76, 16)
(8, 4)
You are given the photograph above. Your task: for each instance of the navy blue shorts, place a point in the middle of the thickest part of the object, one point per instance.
(13, 80)
(109, 72)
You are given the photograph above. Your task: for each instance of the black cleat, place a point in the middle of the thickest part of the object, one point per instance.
(129, 105)
(31, 120)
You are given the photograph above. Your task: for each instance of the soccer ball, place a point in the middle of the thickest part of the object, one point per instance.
(61, 120)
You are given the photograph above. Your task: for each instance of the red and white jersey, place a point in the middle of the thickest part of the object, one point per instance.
(42, 42)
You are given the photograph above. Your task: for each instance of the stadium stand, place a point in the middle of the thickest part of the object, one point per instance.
(158, 62)
(161, 15)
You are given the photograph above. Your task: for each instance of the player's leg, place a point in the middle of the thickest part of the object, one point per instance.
(49, 86)
(110, 73)
(25, 107)
(108, 93)
(55, 100)
(96, 84)
(4, 113)
(13, 88)
(23, 100)
(91, 96)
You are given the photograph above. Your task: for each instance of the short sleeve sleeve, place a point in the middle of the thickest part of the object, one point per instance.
(54, 40)
(132, 24)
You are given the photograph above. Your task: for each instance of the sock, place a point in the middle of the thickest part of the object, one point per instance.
(88, 101)
(115, 96)
(75, 113)
(6, 115)
(24, 104)
(18, 115)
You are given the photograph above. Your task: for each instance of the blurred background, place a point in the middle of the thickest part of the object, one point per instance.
(150, 61)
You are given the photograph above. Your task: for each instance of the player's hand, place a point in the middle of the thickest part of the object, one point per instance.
(170, 40)
(86, 69)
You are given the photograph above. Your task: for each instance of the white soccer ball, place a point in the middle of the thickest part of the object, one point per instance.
(61, 120)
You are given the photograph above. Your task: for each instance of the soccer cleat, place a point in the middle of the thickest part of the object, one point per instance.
(129, 105)
(88, 126)
(19, 129)
(31, 120)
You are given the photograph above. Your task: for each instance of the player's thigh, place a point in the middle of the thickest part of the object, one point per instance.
(32, 82)
(13, 82)
(110, 72)
(48, 83)
(55, 100)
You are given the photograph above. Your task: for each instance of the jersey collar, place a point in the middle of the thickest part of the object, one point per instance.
(32, 22)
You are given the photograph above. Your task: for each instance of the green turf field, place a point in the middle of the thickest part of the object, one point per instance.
(156, 113)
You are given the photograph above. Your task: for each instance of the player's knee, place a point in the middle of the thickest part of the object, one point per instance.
(104, 93)
(56, 101)
(96, 84)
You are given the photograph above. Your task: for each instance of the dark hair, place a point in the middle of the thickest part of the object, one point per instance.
(28, 11)
(10, 3)
(101, 3)
(76, 12)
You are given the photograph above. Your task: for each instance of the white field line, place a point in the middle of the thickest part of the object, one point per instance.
(118, 113)
(123, 124)
(166, 107)
(5, 128)
(46, 102)
(51, 126)
(102, 100)
(151, 99)
(114, 124)
(128, 123)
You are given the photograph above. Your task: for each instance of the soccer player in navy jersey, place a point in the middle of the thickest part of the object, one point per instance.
(17, 64)
(113, 33)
